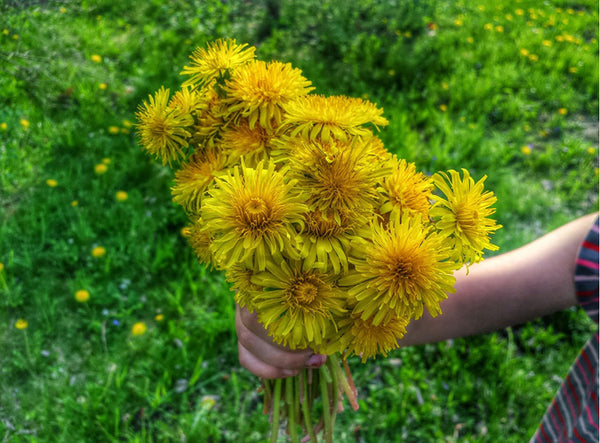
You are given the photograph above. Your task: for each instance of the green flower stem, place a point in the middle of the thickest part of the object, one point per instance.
(333, 364)
(343, 382)
(276, 404)
(324, 380)
(291, 408)
(306, 409)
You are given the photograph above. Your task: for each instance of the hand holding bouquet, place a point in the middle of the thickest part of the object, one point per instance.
(334, 242)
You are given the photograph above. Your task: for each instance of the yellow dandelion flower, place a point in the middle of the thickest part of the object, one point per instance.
(563, 111)
(219, 59)
(402, 269)
(163, 130)
(519, 12)
(254, 144)
(443, 107)
(366, 339)
(405, 190)
(258, 91)
(100, 168)
(339, 117)
(534, 57)
(325, 241)
(192, 180)
(3, 126)
(526, 150)
(98, 251)
(52, 183)
(240, 279)
(102, 86)
(121, 196)
(199, 240)
(559, 38)
(470, 40)
(509, 17)
(499, 28)
(337, 176)
(481, 8)
(74, 203)
(252, 215)
(186, 101)
(139, 328)
(127, 123)
(524, 52)
(299, 308)
(572, 69)
(591, 150)
(113, 129)
(21, 324)
(15, 37)
(96, 58)
(458, 22)
(488, 26)
(24, 124)
(63, 9)
(547, 43)
(159, 317)
(5, 31)
(407, 34)
(462, 215)
(82, 295)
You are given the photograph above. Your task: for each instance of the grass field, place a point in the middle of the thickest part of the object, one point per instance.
(109, 328)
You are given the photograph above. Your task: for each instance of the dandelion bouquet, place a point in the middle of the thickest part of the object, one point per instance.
(334, 242)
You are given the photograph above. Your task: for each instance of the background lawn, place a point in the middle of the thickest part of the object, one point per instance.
(507, 89)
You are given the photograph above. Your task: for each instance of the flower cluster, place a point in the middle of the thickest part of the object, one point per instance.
(334, 242)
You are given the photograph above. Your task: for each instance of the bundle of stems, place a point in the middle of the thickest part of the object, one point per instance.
(294, 400)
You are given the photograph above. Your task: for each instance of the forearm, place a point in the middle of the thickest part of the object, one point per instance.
(508, 289)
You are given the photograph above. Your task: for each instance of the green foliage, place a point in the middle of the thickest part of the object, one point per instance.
(463, 84)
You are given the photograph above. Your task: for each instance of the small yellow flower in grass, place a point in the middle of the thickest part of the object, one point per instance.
(16, 37)
(96, 58)
(526, 128)
(533, 57)
(443, 107)
(391, 72)
(139, 328)
(159, 317)
(591, 150)
(470, 40)
(526, 150)
(52, 183)
(444, 85)
(559, 38)
(488, 27)
(519, 12)
(472, 125)
(21, 323)
(121, 196)
(98, 251)
(24, 124)
(5, 31)
(74, 203)
(547, 43)
(499, 28)
(562, 111)
(113, 129)
(82, 295)
(102, 86)
(481, 7)
(509, 17)
(106, 160)
(524, 52)
(63, 9)
(408, 34)
(127, 123)
(100, 168)
(3, 126)
(458, 22)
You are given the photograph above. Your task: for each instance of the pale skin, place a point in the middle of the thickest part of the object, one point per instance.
(508, 289)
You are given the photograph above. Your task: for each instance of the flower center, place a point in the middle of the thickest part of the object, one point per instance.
(467, 218)
(256, 207)
(305, 293)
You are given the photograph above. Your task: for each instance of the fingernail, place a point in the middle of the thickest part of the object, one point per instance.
(316, 360)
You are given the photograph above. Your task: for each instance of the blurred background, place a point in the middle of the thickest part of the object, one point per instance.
(109, 328)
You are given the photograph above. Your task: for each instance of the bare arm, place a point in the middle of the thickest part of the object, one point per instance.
(512, 288)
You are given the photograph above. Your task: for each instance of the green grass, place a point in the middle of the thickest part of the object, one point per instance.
(458, 92)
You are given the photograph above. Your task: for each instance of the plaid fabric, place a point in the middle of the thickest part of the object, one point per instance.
(573, 414)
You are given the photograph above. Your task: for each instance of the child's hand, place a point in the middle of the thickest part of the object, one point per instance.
(265, 358)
